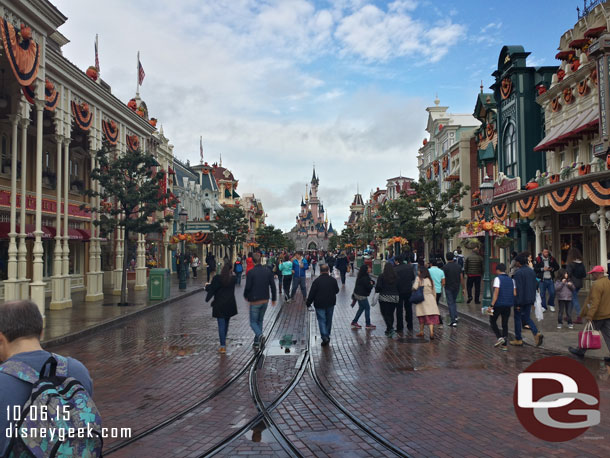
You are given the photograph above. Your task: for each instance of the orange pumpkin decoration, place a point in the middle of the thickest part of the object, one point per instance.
(487, 225)
(429, 173)
(561, 73)
(182, 236)
(593, 76)
(575, 65)
(583, 87)
(445, 162)
(25, 32)
(531, 185)
(568, 96)
(207, 217)
(584, 169)
(435, 163)
(425, 142)
(608, 161)
(153, 122)
(541, 89)
(132, 104)
(440, 127)
(555, 105)
(92, 73)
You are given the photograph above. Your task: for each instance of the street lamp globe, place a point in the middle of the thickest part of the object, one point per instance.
(183, 215)
(487, 191)
(594, 217)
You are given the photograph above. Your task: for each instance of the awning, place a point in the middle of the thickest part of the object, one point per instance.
(579, 43)
(595, 32)
(570, 129)
(466, 235)
(5, 228)
(73, 234)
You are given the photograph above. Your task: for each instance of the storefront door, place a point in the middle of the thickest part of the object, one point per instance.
(567, 241)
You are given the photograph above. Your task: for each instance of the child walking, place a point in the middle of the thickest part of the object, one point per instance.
(563, 291)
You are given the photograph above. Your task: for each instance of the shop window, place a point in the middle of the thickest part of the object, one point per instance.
(562, 159)
(510, 151)
(76, 258)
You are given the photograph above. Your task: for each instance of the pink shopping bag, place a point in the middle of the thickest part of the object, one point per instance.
(589, 339)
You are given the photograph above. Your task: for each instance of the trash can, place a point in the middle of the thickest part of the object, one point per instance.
(159, 286)
(377, 267)
(359, 262)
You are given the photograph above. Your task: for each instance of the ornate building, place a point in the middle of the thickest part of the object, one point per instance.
(312, 230)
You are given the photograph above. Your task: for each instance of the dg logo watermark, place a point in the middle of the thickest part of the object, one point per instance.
(557, 399)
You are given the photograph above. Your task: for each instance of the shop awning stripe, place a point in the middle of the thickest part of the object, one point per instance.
(562, 199)
(598, 192)
(526, 207)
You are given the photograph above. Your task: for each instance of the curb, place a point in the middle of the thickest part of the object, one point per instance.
(485, 324)
(67, 338)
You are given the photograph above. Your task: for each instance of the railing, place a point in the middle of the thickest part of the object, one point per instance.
(587, 7)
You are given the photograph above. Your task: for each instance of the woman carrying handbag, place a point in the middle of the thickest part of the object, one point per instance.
(427, 311)
(224, 306)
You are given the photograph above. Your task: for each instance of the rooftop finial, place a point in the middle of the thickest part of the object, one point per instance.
(220, 159)
(481, 86)
(436, 100)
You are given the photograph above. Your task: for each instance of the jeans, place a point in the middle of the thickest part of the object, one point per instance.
(504, 312)
(351, 264)
(451, 296)
(476, 281)
(547, 285)
(194, 272)
(575, 302)
(522, 316)
(363, 306)
(567, 307)
(313, 268)
(286, 280)
(296, 283)
(325, 321)
(223, 329)
(387, 310)
(406, 303)
(342, 272)
(238, 275)
(257, 313)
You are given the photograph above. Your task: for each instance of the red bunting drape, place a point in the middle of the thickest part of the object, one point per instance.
(562, 199)
(527, 206)
(500, 211)
(133, 142)
(111, 131)
(598, 192)
(22, 52)
(51, 96)
(82, 115)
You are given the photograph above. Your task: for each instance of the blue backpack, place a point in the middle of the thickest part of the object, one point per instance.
(57, 402)
(239, 268)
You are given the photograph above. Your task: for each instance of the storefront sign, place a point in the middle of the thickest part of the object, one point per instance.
(197, 226)
(506, 186)
(48, 205)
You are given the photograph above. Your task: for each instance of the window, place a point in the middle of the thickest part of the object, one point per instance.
(562, 158)
(445, 145)
(510, 151)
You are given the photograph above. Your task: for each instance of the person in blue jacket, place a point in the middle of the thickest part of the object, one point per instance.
(299, 267)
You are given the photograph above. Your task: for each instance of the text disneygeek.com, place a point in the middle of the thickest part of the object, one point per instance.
(67, 433)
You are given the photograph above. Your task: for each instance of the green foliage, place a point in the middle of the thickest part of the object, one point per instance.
(231, 227)
(334, 242)
(270, 238)
(399, 217)
(365, 232)
(437, 209)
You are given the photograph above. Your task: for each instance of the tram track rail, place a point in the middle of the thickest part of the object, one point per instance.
(172, 419)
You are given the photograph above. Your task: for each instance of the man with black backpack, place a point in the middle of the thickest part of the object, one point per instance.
(42, 393)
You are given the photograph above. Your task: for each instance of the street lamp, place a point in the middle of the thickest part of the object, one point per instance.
(487, 196)
(183, 215)
(396, 230)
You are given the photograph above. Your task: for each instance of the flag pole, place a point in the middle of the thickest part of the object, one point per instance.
(138, 75)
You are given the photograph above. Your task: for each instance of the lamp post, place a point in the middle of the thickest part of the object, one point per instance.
(487, 197)
(396, 229)
(182, 270)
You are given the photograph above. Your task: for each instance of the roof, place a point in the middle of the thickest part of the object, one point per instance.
(358, 200)
(221, 173)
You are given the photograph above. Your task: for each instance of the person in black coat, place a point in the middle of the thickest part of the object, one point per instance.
(387, 287)
(364, 286)
(341, 263)
(210, 261)
(224, 306)
(323, 295)
(406, 277)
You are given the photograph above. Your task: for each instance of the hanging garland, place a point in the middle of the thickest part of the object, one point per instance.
(527, 206)
(28, 93)
(568, 96)
(51, 96)
(82, 115)
(500, 211)
(133, 142)
(555, 105)
(506, 88)
(21, 51)
(562, 199)
(598, 192)
(111, 131)
(583, 87)
(479, 215)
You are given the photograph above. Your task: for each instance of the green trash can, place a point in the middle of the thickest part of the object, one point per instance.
(159, 286)
(359, 261)
(377, 267)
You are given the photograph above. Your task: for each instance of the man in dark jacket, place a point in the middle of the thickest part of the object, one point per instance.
(545, 266)
(473, 269)
(258, 282)
(525, 284)
(341, 264)
(406, 277)
(323, 295)
(453, 282)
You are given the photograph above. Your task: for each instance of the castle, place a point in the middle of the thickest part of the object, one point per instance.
(312, 230)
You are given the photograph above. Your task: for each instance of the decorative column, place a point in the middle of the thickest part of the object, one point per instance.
(141, 264)
(37, 286)
(11, 286)
(24, 288)
(94, 293)
(601, 221)
(66, 251)
(57, 281)
(537, 225)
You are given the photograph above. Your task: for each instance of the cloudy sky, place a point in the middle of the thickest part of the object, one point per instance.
(278, 85)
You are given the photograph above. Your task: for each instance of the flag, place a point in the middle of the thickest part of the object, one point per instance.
(201, 148)
(141, 73)
(97, 59)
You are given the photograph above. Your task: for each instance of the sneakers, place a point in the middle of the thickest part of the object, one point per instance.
(356, 326)
(559, 326)
(570, 326)
(371, 326)
(222, 350)
(577, 351)
(469, 300)
(538, 338)
(453, 324)
(516, 342)
(390, 334)
(552, 308)
(325, 342)
(499, 342)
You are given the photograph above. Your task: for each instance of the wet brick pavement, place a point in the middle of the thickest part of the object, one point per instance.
(448, 397)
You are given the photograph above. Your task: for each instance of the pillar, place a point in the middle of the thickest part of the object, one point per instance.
(603, 227)
(94, 292)
(141, 264)
(118, 270)
(65, 238)
(11, 285)
(537, 225)
(22, 253)
(524, 231)
(37, 286)
(57, 281)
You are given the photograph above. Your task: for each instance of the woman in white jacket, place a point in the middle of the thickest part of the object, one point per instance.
(427, 311)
